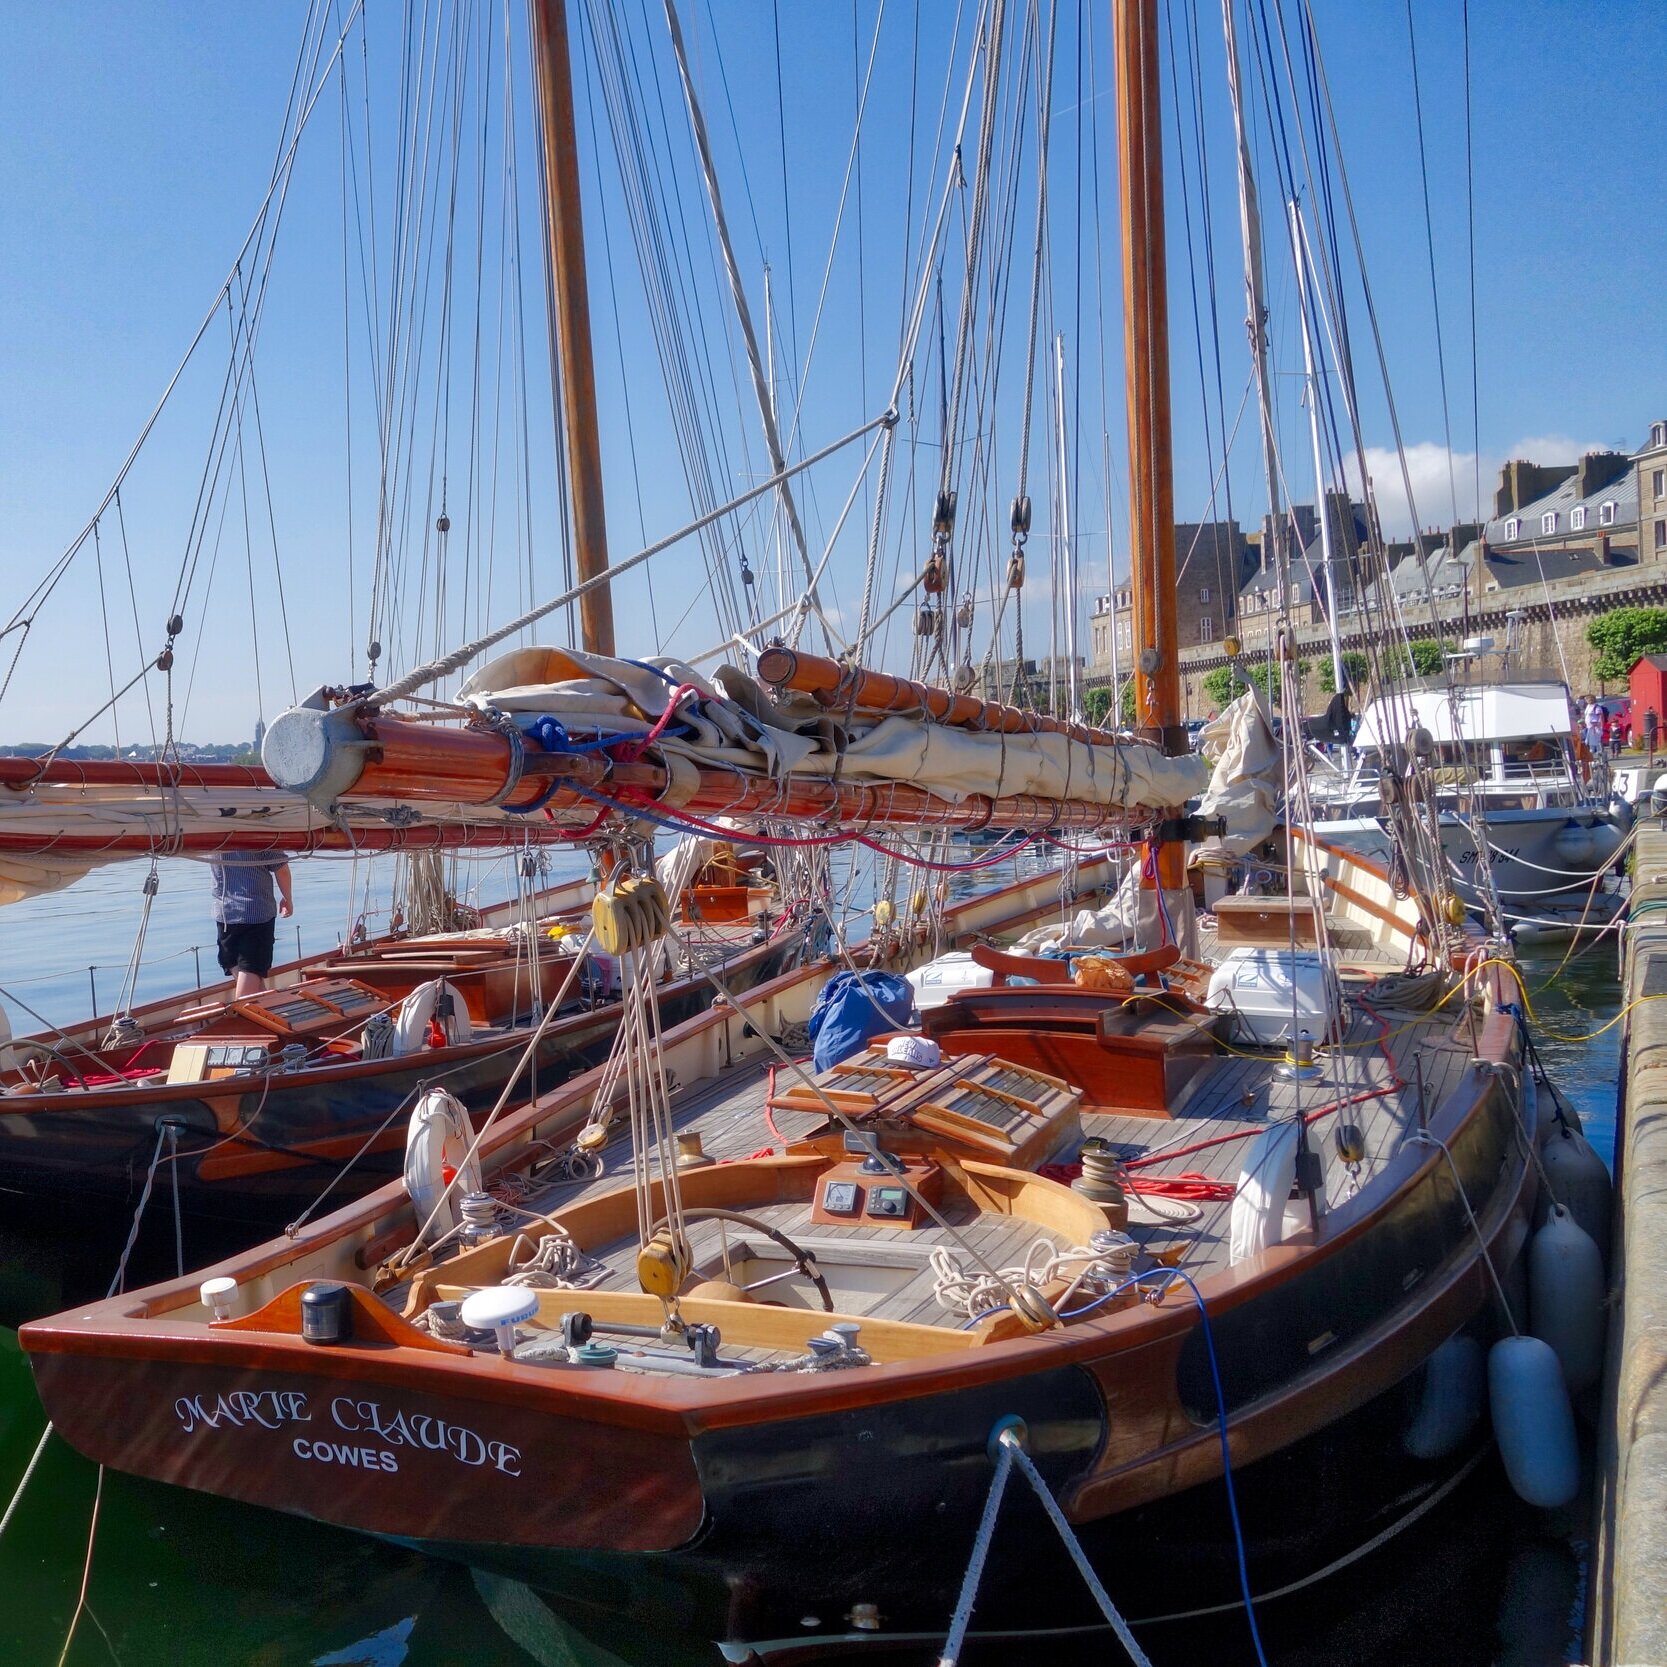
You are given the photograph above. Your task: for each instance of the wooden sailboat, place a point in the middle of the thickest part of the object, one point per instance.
(748, 1381)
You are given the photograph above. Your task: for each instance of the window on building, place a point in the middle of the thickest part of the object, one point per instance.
(1296, 594)
(1658, 483)
(1206, 628)
(1606, 515)
(1661, 535)
(1513, 527)
(1658, 434)
(1548, 521)
(1577, 518)
(1203, 593)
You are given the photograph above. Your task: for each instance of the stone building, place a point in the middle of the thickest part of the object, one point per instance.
(1650, 466)
(1212, 560)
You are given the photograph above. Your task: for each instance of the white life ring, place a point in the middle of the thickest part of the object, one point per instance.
(411, 1026)
(436, 1150)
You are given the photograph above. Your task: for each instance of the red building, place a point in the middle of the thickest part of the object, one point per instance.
(1647, 684)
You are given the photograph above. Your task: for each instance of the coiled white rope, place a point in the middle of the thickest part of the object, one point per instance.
(977, 1293)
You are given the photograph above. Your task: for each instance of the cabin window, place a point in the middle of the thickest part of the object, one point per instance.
(1606, 515)
(1513, 527)
(1577, 518)
(1548, 521)
(1206, 628)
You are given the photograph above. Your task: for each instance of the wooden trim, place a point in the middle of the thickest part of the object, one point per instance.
(748, 1325)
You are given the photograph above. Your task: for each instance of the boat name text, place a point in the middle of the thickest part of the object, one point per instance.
(272, 1409)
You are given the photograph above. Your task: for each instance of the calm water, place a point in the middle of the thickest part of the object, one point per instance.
(178, 1579)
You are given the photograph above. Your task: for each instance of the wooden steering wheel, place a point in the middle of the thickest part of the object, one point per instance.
(804, 1264)
(36, 1063)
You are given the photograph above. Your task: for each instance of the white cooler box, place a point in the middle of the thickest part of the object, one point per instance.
(1276, 994)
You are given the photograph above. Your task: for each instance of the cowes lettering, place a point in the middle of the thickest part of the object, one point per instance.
(400, 1429)
(335, 1452)
(270, 1409)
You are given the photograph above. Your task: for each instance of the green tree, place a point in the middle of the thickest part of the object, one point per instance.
(1428, 657)
(1224, 684)
(1621, 635)
(1126, 705)
(1355, 668)
(1096, 706)
(1220, 686)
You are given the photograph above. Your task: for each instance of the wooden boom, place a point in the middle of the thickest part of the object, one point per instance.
(357, 754)
(834, 685)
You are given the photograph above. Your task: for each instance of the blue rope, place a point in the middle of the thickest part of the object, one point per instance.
(1221, 1418)
(1226, 1455)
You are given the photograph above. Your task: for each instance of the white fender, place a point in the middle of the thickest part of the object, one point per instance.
(411, 1022)
(436, 1144)
(1580, 1182)
(1565, 1297)
(1542, 1106)
(1532, 1421)
(1270, 1170)
(1449, 1400)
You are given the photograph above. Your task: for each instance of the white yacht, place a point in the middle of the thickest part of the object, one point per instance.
(1512, 784)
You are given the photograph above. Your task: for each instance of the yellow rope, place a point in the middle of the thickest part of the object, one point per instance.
(1556, 1036)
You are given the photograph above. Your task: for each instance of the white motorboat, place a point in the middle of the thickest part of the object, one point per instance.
(1513, 788)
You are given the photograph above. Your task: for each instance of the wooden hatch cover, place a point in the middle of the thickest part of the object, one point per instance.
(973, 1104)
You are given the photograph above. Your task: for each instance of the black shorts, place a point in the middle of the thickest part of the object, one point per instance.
(246, 946)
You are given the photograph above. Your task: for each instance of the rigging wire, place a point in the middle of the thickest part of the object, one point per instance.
(1429, 244)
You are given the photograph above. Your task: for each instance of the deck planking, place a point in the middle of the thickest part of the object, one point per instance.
(730, 1114)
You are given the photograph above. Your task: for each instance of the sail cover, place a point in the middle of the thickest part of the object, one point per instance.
(1246, 781)
(733, 720)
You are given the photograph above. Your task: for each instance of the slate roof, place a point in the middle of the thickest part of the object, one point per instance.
(1524, 564)
(1563, 500)
(1448, 574)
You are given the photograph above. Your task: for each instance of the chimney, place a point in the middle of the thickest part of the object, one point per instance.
(1598, 469)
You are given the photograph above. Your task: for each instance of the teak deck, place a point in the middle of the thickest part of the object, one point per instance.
(1241, 1094)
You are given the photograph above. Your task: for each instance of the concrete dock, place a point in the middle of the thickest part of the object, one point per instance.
(1629, 1562)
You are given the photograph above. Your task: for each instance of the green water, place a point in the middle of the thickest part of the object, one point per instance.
(179, 1579)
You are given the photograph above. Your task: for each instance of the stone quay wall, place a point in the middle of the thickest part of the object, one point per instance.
(1550, 632)
(1628, 1607)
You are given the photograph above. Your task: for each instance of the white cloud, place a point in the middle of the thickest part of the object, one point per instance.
(1436, 486)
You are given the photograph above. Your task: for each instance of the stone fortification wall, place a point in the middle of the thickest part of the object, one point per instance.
(1550, 632)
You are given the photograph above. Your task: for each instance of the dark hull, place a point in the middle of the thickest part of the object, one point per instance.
(254, 1153)
(1311, 1510)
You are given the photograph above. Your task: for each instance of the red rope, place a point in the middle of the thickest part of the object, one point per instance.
(1188, 1184)
(989, 861)
(629, 752)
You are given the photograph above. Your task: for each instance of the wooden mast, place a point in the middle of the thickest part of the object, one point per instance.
(1146, 379)
(570, 303)
(1146, 373)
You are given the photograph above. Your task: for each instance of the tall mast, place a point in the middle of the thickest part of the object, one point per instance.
(1067, 557)
(1329, 554)
(570, 303)
(1164, 913)
(1146, 374)
(1256, 312)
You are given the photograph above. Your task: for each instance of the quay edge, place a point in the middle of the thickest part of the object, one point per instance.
(1629, 1564)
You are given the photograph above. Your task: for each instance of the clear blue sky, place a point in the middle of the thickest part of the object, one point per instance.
(136, 142)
